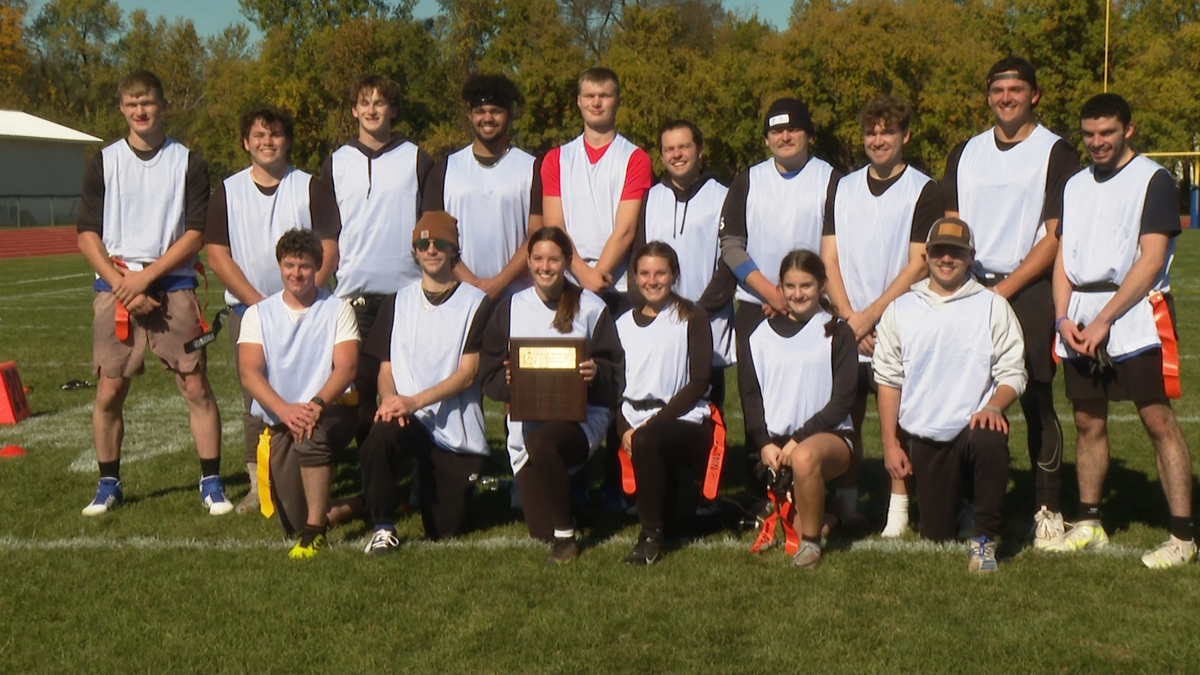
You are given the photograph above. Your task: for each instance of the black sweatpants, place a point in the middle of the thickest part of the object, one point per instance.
(938, 472)
(1034, 307)
(366, 381)
(545, 480)
(444, 477)
(745, 319)
(660, 449)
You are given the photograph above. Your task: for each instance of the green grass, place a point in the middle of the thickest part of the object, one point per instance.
(162, 586)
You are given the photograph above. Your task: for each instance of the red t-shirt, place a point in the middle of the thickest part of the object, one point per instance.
(638, 174)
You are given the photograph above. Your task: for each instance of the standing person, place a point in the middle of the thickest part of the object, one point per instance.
(684, 211)
(492, 189)
(873, 247)
(248, 213)
(141, 223)
(949, 361)
(592, 188)
(775, 206)
(1118, 217)
(1007, 183)
(545, 454)
(798, 384)
(377, 179)
(427, 338)
(298, 353)
(663, 418)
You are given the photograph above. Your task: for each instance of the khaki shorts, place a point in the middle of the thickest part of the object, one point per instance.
(166, 330)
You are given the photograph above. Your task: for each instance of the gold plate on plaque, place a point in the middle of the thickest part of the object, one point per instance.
(546, 384)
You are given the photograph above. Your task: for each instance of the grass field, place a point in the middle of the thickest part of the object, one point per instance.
(161, 586)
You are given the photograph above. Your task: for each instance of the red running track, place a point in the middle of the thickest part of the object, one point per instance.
(25, 242)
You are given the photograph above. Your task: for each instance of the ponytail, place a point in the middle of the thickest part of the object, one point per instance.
(568, 307)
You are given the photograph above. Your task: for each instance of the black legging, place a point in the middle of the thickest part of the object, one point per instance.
(545, 480)
(660, 449)
(1045, 443)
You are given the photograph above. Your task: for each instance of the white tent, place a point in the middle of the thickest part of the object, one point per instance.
(41, 169)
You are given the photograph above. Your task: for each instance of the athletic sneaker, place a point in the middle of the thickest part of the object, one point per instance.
(108, 497)
(1084, 534)
(981, 556)
(564, 551)
(382, 542)
(1172, 553)
(646, 552)
(249, 503)
(808, 556)
(707, 507)
(304, 550)
(212, 495)
(1047, 526)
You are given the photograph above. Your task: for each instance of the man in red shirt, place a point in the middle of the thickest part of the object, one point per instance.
(592, 187)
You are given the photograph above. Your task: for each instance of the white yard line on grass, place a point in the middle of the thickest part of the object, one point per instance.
(494, 543)
(45, 279)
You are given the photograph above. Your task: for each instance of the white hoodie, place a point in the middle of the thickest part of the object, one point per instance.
(947, 355)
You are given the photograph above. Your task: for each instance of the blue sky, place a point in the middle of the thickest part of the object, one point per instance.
(211, 16)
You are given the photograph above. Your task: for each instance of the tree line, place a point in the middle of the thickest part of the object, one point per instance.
(676, 58)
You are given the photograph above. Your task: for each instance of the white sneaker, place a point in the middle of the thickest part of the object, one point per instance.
(1172, 553)
(1047, 526)
(383, 541)
(1084, 534)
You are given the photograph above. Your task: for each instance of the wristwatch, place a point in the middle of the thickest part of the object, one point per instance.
(318, 400)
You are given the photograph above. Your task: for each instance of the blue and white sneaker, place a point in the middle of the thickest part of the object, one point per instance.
(981, 554)
(212, 495)
(108, 497)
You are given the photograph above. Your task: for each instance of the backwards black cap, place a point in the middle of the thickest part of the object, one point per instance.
(491, 90)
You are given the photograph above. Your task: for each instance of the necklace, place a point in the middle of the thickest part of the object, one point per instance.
(495, 161)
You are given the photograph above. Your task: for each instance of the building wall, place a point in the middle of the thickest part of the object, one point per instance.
(39, 181)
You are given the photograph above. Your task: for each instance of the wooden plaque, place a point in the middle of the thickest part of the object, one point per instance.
(546, 385)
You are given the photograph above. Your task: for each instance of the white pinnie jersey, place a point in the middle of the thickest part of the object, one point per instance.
(783, 214)
(794, 373)
(257, 221)
(298, 354)
(378, 201)
(144, 203)
(947, 353)
(873, 233)
(529, 317)
(1101, 225)
(591, 194)
(427, 347)
(1001, 195)
(656, 366)
(692, 228)
(491, 205)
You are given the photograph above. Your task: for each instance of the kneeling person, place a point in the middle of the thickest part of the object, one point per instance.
(949, 359)
(298, 353)
(664, 419)
(427, 338)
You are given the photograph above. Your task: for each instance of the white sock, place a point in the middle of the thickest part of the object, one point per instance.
(252, 470)
(848, 500)
(897, 518)
(564, 534)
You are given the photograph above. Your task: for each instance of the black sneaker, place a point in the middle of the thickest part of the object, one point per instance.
(564, 551)
(646, 552)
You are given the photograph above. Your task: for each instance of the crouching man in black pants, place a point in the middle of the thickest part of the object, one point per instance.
(427, 338)
(949, 359)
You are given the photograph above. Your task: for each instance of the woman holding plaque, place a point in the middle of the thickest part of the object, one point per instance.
(545, 453)
(798, 384)
(664, 417)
